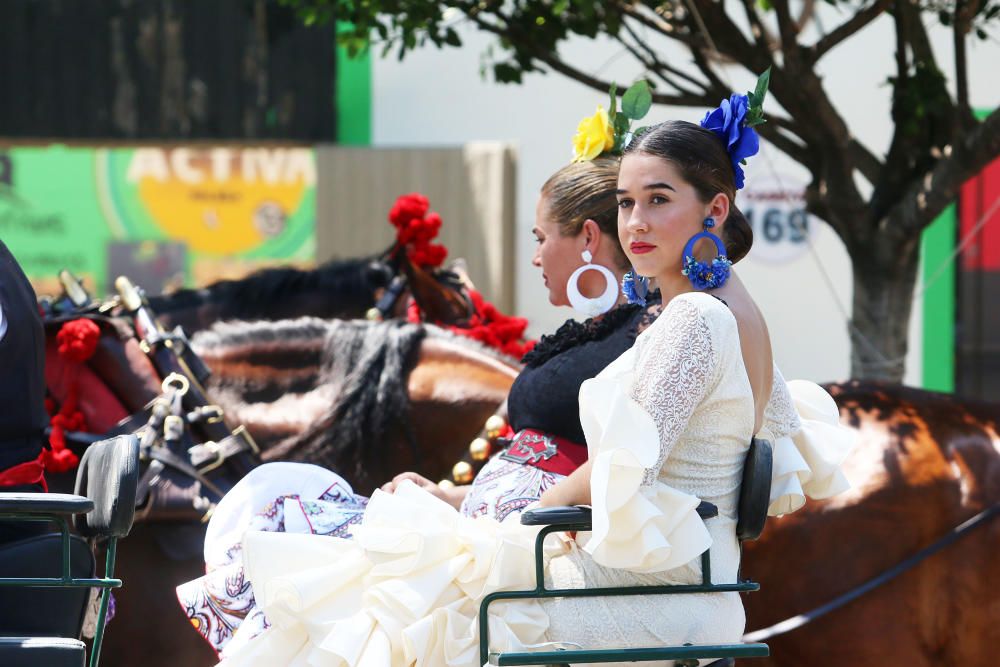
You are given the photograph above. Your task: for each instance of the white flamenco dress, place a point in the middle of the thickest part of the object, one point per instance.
(668, 424)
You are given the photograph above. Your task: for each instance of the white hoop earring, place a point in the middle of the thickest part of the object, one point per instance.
(587, 306)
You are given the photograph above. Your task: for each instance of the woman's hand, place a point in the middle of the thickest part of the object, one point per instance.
(453, 496)
(574, 490)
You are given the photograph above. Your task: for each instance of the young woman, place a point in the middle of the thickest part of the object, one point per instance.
(576, 217)
(667, 424)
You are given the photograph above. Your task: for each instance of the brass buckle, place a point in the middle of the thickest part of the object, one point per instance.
(177, 383)
(213, 448)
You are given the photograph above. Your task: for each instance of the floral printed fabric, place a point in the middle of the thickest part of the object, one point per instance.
(221, 604)
(301, 498)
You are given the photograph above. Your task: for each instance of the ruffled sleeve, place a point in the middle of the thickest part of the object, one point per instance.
(632, 416)
(810, 445)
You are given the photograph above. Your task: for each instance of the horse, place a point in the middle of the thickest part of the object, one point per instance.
(925, 463)
(345, 289)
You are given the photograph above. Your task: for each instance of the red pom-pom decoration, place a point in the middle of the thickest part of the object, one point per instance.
(416, 228)
(408, 207)
(78, 340)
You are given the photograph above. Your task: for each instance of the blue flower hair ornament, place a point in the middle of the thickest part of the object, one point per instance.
(733, 121)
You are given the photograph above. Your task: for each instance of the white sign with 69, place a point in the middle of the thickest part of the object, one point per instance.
(782, 230)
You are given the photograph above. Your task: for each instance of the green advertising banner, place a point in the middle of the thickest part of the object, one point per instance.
(164, 215)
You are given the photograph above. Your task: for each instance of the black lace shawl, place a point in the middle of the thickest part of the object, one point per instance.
(573, 332)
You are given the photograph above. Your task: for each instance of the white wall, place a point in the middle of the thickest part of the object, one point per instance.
(437, 97)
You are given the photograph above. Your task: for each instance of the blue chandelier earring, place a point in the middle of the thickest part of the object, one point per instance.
(706, 275)
(635, 287)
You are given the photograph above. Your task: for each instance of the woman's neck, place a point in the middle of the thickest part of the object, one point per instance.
(672, 284)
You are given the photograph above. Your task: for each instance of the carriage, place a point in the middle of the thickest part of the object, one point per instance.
(851, 400)
(108, 512)
(47, 579)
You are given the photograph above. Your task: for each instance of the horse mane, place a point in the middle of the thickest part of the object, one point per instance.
(370, 362)
(348, 281)
(225, 338)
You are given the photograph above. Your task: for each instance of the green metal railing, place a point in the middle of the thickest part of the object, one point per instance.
(688, 654)
(66, 579)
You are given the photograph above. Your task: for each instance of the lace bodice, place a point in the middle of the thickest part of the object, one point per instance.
(675, 367)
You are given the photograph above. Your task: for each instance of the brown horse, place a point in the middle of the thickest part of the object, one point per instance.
(925, 463)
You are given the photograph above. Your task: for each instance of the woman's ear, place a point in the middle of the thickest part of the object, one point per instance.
(718, 208)
(591, 234)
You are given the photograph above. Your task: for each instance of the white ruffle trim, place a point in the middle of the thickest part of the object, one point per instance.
(404, 591)
(808, 463)
(640, 528)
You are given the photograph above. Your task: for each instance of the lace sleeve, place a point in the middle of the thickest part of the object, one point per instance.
(780, 418)
(675, 369)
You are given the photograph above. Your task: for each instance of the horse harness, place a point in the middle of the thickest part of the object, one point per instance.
(183, 478)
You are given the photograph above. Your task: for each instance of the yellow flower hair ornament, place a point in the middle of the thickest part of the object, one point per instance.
(608, 132)
(594, 135)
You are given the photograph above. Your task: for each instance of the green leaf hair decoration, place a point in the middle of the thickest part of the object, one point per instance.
(755, 111)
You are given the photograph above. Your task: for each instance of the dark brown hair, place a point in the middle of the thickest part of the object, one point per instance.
(583, 191)
(702, 160)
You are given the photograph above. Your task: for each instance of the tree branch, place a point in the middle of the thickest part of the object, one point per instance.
(761, 35)
(653, 64)
(788, 145)
(860, 19)
(786, 28)
(924, 200)
(601, 85)
(867, 162)
(660, 65)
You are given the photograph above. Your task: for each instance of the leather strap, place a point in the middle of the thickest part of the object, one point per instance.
(209, 455)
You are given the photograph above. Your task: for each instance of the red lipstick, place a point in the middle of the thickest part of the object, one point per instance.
(641, 248)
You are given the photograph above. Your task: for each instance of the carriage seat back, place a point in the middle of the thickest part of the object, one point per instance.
(109, 475)
(755, 491)
(44, 612)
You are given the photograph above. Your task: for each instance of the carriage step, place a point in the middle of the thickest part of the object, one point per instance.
(689, 652)
(48, 651)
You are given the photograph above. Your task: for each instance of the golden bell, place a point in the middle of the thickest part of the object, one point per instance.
(462, 472)
(495, 426)
(373, 314)
(479, 449)
(446, 484)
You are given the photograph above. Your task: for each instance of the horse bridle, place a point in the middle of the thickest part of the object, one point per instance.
(164, 422)
(799, 620)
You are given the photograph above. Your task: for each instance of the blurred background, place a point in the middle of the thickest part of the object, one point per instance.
(183, 142)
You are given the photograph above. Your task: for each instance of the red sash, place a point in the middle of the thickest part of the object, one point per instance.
(29, 472)
(547, 452)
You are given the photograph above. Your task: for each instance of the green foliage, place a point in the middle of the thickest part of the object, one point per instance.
(636, 103)
(755, 114)
(637, 100)
(922, 99)
(525, 29)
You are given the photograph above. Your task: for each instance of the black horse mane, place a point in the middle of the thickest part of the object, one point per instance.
(371, 363)
(349, 281)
